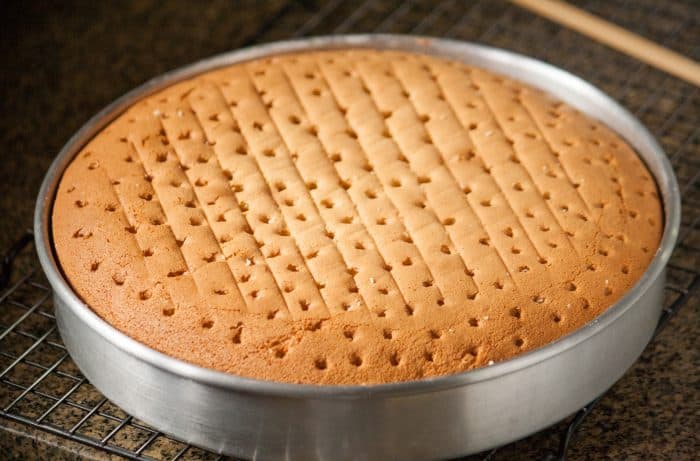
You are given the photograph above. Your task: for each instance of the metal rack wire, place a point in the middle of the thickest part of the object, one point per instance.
(41, 387)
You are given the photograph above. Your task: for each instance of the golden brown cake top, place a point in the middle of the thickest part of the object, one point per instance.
(353, 217)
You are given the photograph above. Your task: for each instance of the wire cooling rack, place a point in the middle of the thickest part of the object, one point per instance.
(42, 388)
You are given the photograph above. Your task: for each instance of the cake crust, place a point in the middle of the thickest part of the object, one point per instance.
(353, 217)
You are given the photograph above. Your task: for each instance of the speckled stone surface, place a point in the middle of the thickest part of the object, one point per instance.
(64, 61)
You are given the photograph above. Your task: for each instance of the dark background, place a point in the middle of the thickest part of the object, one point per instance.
(63, 61)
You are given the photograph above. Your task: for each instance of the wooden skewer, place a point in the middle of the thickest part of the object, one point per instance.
(616, 37)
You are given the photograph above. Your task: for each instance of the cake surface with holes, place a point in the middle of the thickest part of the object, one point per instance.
(353, 217)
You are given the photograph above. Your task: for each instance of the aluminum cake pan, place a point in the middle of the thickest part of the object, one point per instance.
(431, 418)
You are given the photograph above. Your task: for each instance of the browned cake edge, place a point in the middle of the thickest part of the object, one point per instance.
(441, 218)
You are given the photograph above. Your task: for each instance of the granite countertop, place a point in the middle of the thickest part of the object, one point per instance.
(63, 61)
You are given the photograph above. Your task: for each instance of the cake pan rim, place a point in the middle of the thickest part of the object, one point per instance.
(480, 55)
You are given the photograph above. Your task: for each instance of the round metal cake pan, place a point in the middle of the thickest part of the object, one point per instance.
(432, 418)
